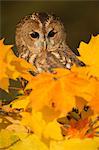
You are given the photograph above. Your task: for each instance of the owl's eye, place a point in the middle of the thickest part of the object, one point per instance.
(35, 35)
(51, 33)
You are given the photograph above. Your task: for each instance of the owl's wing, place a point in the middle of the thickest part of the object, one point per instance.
(72, 58)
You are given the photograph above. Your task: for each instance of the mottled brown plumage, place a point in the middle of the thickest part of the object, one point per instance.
(41, 40)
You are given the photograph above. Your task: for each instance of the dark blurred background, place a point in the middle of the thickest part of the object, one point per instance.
(81, 18)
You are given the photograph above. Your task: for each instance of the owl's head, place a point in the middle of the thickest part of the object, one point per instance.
(40, 32)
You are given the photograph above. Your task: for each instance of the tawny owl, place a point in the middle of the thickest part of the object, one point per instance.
(41, 40)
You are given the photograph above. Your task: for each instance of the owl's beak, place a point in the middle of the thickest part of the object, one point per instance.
(44, 46)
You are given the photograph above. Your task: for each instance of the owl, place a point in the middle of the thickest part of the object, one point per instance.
(41, 40)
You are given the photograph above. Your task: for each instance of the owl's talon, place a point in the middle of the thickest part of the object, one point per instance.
(68, 66)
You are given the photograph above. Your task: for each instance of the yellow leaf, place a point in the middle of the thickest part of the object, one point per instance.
(75, 144)
(89, 90)
(34, 121)
(7, 138)
(21, 102)
(89, 54)
(12, 66)
(52, 95)
(31, 142)
(53, 131)
(59, 90)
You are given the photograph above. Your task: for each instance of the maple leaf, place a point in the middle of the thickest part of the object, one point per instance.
(75, 144)
(44, 87)
(3, 76)
(19, 140)
(89, 92)
(34, 121)
(59, 90)
(31, 142)
(89, 54)
(12, 66)
(94, 101)
(80, 124)
(30, 121)
(7, 138)
(53, 131)
(20, 103)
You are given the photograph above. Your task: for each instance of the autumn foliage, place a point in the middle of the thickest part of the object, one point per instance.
(55, 110)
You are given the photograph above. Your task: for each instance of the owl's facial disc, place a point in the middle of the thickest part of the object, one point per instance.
(39, 32)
